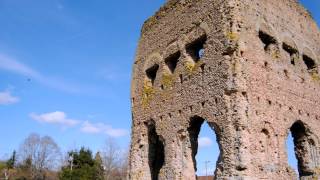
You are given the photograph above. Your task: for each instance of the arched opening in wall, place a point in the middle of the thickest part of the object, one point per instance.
(267, 40)
(205, 149)
(196, 49)
(309, 62)
(172, 61)
(292, 160)
(152, 73)
(305, 150)
(293, 53)
(155, 150)
(311, 66)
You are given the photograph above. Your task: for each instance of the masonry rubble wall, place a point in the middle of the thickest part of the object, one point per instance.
(248, 68)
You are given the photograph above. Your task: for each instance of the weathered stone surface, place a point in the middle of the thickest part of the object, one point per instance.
(250, 68)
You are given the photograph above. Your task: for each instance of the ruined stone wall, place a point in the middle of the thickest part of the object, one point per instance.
(238, 65)
(279, 62)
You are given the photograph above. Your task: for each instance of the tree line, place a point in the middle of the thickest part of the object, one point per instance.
(40, 158)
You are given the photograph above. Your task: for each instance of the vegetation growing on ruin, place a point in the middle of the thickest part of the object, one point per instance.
(147, 94)
(317, 173)
(167, 80)
(192, 67)
(276, 54)
(232, 36)
(39, 158)
(315, 76)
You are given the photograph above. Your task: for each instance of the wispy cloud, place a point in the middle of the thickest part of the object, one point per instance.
(6, 98)
(10, 64)
(57, 117)
(101, 128)
(60, 118)
(113, 73)
(60, 6)
(204, 142)
(14, 66)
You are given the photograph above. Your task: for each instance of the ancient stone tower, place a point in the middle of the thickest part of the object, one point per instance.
(249, 68)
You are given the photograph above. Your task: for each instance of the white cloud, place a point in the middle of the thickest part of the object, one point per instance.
(60, 118)
(9, 64)
(6, 98)
(57, 117)
(204, 142)
(14, 66)
(101, 128)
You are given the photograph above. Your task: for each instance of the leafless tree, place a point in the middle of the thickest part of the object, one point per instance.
(43, 153)
(114, 160)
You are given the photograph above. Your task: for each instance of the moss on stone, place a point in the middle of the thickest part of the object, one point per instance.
(276, 54)
(315, 76)
(147, 94)
(192, 67)
(167, 80)
(317, 173)
(232, 36)
(189, 66)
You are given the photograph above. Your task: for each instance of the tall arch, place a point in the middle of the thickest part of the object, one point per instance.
(155, 150)
(306, 149)
(195, 125)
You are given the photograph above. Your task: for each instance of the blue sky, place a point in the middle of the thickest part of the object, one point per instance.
(65, 70)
